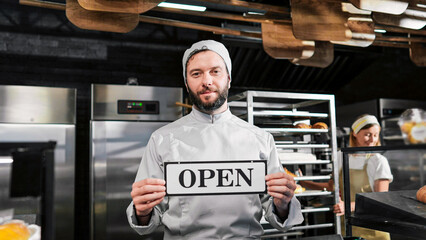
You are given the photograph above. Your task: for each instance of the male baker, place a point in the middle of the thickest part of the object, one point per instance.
(210, 133)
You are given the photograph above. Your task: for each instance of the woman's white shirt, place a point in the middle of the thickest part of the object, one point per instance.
(377, 166)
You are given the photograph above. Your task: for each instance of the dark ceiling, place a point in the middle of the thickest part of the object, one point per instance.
(41, 44)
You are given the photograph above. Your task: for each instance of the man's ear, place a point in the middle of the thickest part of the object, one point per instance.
(186, 85)
(229, 82)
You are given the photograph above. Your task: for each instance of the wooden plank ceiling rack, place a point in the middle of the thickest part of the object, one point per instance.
(304, 33)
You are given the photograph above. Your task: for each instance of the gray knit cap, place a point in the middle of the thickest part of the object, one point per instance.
(211, 45)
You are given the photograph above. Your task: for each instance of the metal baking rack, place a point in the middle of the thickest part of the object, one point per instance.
(277, 113)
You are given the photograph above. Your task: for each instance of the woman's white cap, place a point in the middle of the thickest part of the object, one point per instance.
(366, 120)
(211, 45)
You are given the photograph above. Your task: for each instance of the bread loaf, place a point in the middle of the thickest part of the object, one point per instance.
(407, 126)
(414, 131)
(289, 172)
(421, 194)
(320, 125)
(302, 125)
(299, 189)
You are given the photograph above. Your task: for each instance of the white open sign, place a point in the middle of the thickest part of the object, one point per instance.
(215, 177)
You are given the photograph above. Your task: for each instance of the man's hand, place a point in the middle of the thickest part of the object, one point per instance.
(146, 194)
(281, 187)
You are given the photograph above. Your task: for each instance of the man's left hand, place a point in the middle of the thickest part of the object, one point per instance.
(281, 187)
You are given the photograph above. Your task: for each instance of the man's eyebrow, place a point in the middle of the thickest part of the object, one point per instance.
(194, 70)
(198, 69)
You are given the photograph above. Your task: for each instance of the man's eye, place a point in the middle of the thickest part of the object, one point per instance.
(195, 74)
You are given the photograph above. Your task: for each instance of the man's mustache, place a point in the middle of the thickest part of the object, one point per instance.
(207, 89)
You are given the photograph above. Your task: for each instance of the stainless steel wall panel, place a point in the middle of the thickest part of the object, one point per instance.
(105, 97)
(98, 179)
(117, 149)
(24, 104)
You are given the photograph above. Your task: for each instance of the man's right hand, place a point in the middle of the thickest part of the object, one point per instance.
(146, 194)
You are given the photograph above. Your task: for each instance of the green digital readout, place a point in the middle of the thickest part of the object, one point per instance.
(135, 104)
(138, 107)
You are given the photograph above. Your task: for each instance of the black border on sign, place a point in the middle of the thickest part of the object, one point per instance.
(208, 162)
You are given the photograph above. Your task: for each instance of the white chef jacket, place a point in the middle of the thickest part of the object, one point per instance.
(197, 137)
(377, 166)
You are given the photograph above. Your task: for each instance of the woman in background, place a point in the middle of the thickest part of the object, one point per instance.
(368, 172)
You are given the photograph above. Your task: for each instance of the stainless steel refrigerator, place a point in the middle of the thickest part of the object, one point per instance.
(41, 114)
(123, 119)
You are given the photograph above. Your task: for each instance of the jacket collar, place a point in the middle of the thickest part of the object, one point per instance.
(207, 118)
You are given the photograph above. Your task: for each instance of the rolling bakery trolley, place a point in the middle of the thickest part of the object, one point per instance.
(312, 150)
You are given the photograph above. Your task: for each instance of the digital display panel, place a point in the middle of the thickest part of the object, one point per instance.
(138, 107)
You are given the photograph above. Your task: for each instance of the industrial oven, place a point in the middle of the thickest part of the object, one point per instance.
(41, 114)
(122, 121)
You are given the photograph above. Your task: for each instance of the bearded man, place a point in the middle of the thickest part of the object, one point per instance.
(210, 132)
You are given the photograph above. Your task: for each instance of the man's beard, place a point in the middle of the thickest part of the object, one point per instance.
(211, 106)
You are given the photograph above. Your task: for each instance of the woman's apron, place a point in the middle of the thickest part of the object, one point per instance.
(358, 179)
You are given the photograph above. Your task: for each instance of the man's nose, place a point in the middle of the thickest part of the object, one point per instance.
(207, 79)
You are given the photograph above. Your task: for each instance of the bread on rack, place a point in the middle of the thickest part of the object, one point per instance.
(302, 125)
(289, 172)
(421, 194)
(299, 189)
(320, 125)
